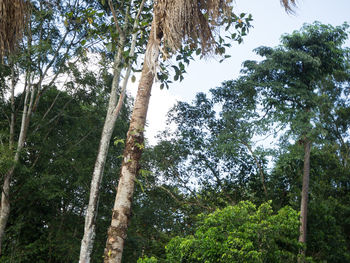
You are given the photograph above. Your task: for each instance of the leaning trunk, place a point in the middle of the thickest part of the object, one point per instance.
(131, 157)
(107, 131)
(305, 193)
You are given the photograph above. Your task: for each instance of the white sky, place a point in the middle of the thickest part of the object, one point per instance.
(270, 22)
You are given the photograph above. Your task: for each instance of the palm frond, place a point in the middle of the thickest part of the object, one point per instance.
(288, 5)
(193, 21)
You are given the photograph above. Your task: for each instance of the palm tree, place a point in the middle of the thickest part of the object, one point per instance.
(174, 22)
(13, 17)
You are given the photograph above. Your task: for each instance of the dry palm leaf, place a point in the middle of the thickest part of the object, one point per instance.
(189, 21)
(288, 5)
(193, 21)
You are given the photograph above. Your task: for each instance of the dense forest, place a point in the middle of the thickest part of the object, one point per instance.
(255, 170)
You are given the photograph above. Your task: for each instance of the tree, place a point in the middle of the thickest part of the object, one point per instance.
(296, 82)
(124, 32)
(51, 185)
(54, 35)
(210, 156)
(328, 229)
(194, 24)
(240, 233)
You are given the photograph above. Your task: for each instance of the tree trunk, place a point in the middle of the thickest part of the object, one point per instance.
(13, 109)
(132, 154)
(91, 213)
(5, 194)
(5, 202)
(114, 109)
(305, 193)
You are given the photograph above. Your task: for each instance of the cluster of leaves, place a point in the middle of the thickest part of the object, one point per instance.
(241, 233)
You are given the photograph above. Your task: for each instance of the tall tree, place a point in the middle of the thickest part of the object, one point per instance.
(53, 35)
(297, 81)
(127, 31)
(173, 23)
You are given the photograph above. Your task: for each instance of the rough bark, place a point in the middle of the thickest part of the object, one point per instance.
(305, 193)
(131, 157)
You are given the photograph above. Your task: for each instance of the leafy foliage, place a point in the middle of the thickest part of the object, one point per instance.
(241, 233)
(51, 184)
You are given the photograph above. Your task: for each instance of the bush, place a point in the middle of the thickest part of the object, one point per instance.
(241, 233)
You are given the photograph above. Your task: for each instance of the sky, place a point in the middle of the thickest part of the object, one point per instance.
(270, 21)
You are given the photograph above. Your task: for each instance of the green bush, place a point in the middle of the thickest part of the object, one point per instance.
(241, 233)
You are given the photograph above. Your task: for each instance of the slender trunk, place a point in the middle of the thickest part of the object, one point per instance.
(132, 154)
(5, 202)
(107, 131)
(305, 193)
(114, 109)
(5, 194)
(13, 109)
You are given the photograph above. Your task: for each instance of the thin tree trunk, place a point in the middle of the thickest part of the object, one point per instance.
(13, 109)
(305, 193)
(5, 204)
(5, 194)
(91, 213)
(132, 154)
(114, 109)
